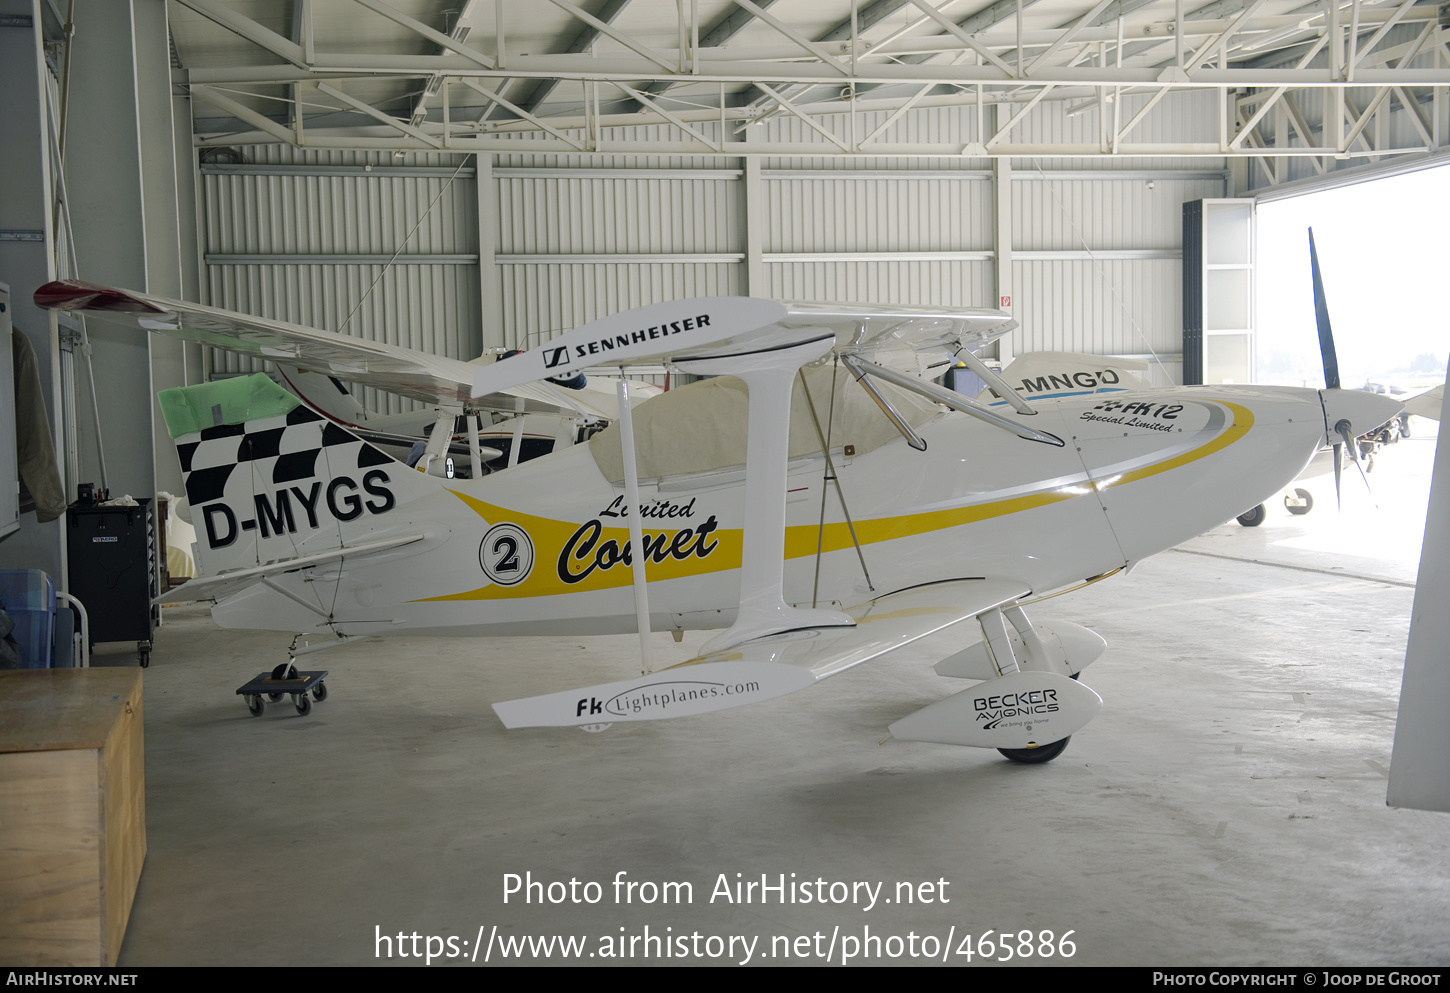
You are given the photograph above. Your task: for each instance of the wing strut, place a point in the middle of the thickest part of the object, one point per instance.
(636, 528)
(996, 382)
(830, 477)
(950, 398)
(768, 369)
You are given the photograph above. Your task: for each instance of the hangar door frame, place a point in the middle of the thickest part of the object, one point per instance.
(1219, 291)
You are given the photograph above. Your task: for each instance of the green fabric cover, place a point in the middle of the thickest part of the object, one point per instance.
(189, 409)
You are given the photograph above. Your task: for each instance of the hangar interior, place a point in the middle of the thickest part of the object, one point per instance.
(465, 176)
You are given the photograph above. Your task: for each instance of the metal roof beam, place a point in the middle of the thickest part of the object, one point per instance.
(582, 41)
(373, 112)
(245, 114)
(626, 70)
(478, 87)
(618, 36)
(791, 108)
(808, 46)
(248, 29)
(1358, 54)
(1068, 35)
(717, 146)
(388, 139)
(446, 42)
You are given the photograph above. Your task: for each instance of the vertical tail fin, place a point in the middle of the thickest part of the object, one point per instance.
(268, 479)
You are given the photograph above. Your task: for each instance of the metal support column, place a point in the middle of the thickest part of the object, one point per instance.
(489, 289)
(26, 259)
(1002, 181)
(112, 120)
(160, 204)
(755, 280)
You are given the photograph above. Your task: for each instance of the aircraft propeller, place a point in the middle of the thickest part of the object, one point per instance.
(1342, 427)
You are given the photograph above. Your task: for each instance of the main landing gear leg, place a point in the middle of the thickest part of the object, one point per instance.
(1039, 656)
(1028, 701)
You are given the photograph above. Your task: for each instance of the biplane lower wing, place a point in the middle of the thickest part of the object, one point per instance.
(767, 667)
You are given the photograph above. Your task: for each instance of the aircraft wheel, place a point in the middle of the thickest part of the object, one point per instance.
(304, 704)
(1304, 495)
(319, 692)
(1253, 518)
(255, 705)
(1405, 426)
(1038, 755)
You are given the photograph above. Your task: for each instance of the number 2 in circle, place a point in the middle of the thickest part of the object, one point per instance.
(506, 554)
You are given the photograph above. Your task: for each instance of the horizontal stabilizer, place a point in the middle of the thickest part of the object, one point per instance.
(767, 667)
(1426, 404)
(223, 585)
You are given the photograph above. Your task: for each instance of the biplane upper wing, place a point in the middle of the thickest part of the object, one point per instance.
(768, 667)
(431, 379)
(917, 340)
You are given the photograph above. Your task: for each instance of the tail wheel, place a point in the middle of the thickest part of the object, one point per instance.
(1038, 755)
(1307, 505)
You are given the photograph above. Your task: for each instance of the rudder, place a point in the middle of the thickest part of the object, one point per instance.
(269, 479)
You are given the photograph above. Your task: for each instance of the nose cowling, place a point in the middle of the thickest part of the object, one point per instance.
(1363, 411)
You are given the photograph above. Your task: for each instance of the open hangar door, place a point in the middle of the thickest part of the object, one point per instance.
(1381, 248)
(1378, 236)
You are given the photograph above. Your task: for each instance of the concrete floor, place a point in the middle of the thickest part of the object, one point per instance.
(1227, 807)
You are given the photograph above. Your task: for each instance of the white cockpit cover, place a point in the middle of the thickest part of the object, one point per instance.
(702, 426)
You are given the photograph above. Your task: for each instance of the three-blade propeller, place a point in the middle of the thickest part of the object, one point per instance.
(1342, 428)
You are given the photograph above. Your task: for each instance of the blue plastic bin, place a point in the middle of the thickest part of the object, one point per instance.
(28, 596)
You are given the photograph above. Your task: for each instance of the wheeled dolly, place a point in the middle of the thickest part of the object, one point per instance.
(283, 681)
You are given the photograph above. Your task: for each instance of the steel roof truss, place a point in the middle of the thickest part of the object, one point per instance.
(618, 36)
(718, 146)
(791, 108)
(805, 43)
(1070, 34)
(378, 115)
(443, 41)
(1417, 115)
(972, 43)
(249, 29)
(474, 84)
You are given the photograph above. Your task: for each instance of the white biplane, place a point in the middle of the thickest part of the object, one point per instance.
(820, 500)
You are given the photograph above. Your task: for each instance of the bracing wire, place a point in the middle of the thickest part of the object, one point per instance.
(384, 271)
(1112, 287)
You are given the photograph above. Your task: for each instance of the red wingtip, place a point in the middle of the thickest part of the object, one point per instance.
(72, 294)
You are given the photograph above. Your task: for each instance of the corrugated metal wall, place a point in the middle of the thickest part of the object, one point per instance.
(579, 237)
(312, 248)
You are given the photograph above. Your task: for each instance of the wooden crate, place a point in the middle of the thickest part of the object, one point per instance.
(72, 813)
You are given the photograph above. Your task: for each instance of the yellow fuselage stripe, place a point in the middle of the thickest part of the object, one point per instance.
(801, 539)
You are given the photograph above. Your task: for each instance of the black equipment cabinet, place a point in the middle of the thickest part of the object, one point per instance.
(113, 571)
